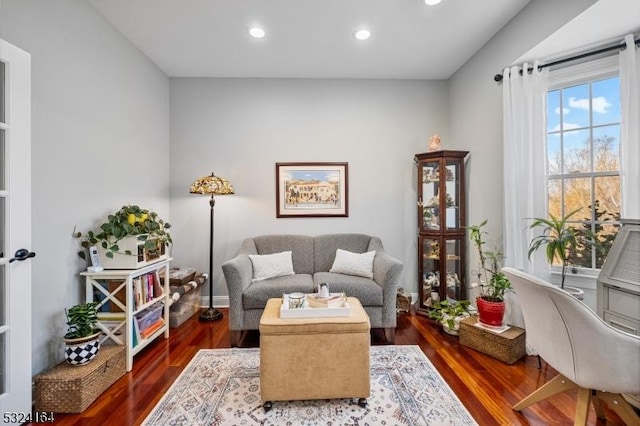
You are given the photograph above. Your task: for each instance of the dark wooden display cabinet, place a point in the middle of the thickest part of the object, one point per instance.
(441, 227)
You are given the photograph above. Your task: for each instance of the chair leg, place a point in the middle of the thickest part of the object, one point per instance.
(390, 335)
(582, 407)
(599, 407)
(620, 406)
(556, 385)
(235, 337)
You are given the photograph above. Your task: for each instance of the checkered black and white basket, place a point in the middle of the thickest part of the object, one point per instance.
(82, 352)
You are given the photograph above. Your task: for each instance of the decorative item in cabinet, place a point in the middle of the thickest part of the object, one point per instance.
(441, 227)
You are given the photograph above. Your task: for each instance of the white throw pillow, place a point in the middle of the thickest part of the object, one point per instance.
(349, 263)
(271, 265)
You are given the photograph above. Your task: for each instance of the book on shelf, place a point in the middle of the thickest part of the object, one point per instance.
(135, 338)
(152, 328)
(335, 300)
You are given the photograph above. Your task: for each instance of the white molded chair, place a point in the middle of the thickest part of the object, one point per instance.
(590, 355)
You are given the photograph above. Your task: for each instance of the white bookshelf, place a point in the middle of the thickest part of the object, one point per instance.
(118, 326)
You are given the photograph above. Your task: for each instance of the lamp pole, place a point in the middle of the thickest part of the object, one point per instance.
(211, 314)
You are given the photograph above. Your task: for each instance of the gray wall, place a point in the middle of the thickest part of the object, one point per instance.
(475, 106)
(239, 128)
(100, 139)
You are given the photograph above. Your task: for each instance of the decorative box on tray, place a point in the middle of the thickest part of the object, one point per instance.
(313, 311)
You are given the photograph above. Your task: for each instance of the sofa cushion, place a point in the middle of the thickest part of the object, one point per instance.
(326, 246)
(271, 265)
(300, 245)
(349, 263)
(256, 295)
(367, 291)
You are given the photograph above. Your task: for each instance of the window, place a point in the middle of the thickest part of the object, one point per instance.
(583, 154)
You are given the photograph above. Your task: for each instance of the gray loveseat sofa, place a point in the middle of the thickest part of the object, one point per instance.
(312, 258)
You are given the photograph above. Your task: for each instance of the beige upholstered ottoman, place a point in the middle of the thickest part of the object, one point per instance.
(314, 358)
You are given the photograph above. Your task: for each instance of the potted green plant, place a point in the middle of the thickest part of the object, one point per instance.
(82, 338)
(560, 241)
(449, 314)
(129, 233)
(493, 282)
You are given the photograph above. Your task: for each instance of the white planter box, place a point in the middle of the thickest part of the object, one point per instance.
(139, 257)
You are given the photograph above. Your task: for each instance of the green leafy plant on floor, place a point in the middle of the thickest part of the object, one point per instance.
(449, 313)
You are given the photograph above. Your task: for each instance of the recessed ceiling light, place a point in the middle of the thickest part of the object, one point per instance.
(432, 2)
(362, 34)
(256, 32)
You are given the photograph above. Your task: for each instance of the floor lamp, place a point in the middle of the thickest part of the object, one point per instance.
(211, 185)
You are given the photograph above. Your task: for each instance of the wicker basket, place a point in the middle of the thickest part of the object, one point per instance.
(71, 389)
(508, 346)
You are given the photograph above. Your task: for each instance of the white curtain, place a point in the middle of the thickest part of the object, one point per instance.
(630, 131)
(524, 121)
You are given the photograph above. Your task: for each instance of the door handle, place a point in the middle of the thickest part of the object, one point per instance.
(22, 254)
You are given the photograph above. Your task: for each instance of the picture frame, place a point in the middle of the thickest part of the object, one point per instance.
(312, 190)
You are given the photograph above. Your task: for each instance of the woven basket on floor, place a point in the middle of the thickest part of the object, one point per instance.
(508, 346)
(72, 388)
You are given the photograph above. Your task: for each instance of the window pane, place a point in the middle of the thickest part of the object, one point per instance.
(555, 197)
(577, 195)
(554, 154)
(575, 105)
(606, 233)
(606, 101)
(553, 111)
(576, 151)
(607, 196)
(606, 148)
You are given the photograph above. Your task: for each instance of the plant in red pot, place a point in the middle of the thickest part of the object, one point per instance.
(493, 282)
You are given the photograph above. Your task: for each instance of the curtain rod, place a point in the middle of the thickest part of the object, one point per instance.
(498, 77)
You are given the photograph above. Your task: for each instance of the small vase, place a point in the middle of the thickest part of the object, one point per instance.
(82, 350)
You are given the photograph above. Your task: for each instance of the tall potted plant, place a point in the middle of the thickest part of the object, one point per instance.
(493, 282)
(82, 338)
(561, 241)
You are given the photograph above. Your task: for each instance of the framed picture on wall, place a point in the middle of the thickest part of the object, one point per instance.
(312, 190)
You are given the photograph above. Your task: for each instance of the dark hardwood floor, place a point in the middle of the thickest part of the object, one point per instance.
(486, 386)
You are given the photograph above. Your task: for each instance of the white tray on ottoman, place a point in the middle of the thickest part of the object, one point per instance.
(311, 312)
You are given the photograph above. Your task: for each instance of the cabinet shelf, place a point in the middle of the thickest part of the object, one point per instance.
(114, 290)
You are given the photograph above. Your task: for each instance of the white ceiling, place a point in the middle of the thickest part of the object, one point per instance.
(309, 38)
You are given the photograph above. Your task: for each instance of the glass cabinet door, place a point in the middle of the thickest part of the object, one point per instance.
(430, 248)
(453, 249)
(452, 197)
(430, 201)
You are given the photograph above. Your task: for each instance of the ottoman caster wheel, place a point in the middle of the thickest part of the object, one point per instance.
(267, 406)
(362, 402)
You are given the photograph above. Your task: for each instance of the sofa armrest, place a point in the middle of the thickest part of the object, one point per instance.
(386, 273)
(238, 273)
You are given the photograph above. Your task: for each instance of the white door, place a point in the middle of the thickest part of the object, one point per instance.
(15, 234)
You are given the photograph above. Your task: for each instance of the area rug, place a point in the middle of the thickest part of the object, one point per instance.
(222, 387)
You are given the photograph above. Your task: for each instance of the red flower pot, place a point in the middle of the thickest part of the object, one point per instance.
(490, 313)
